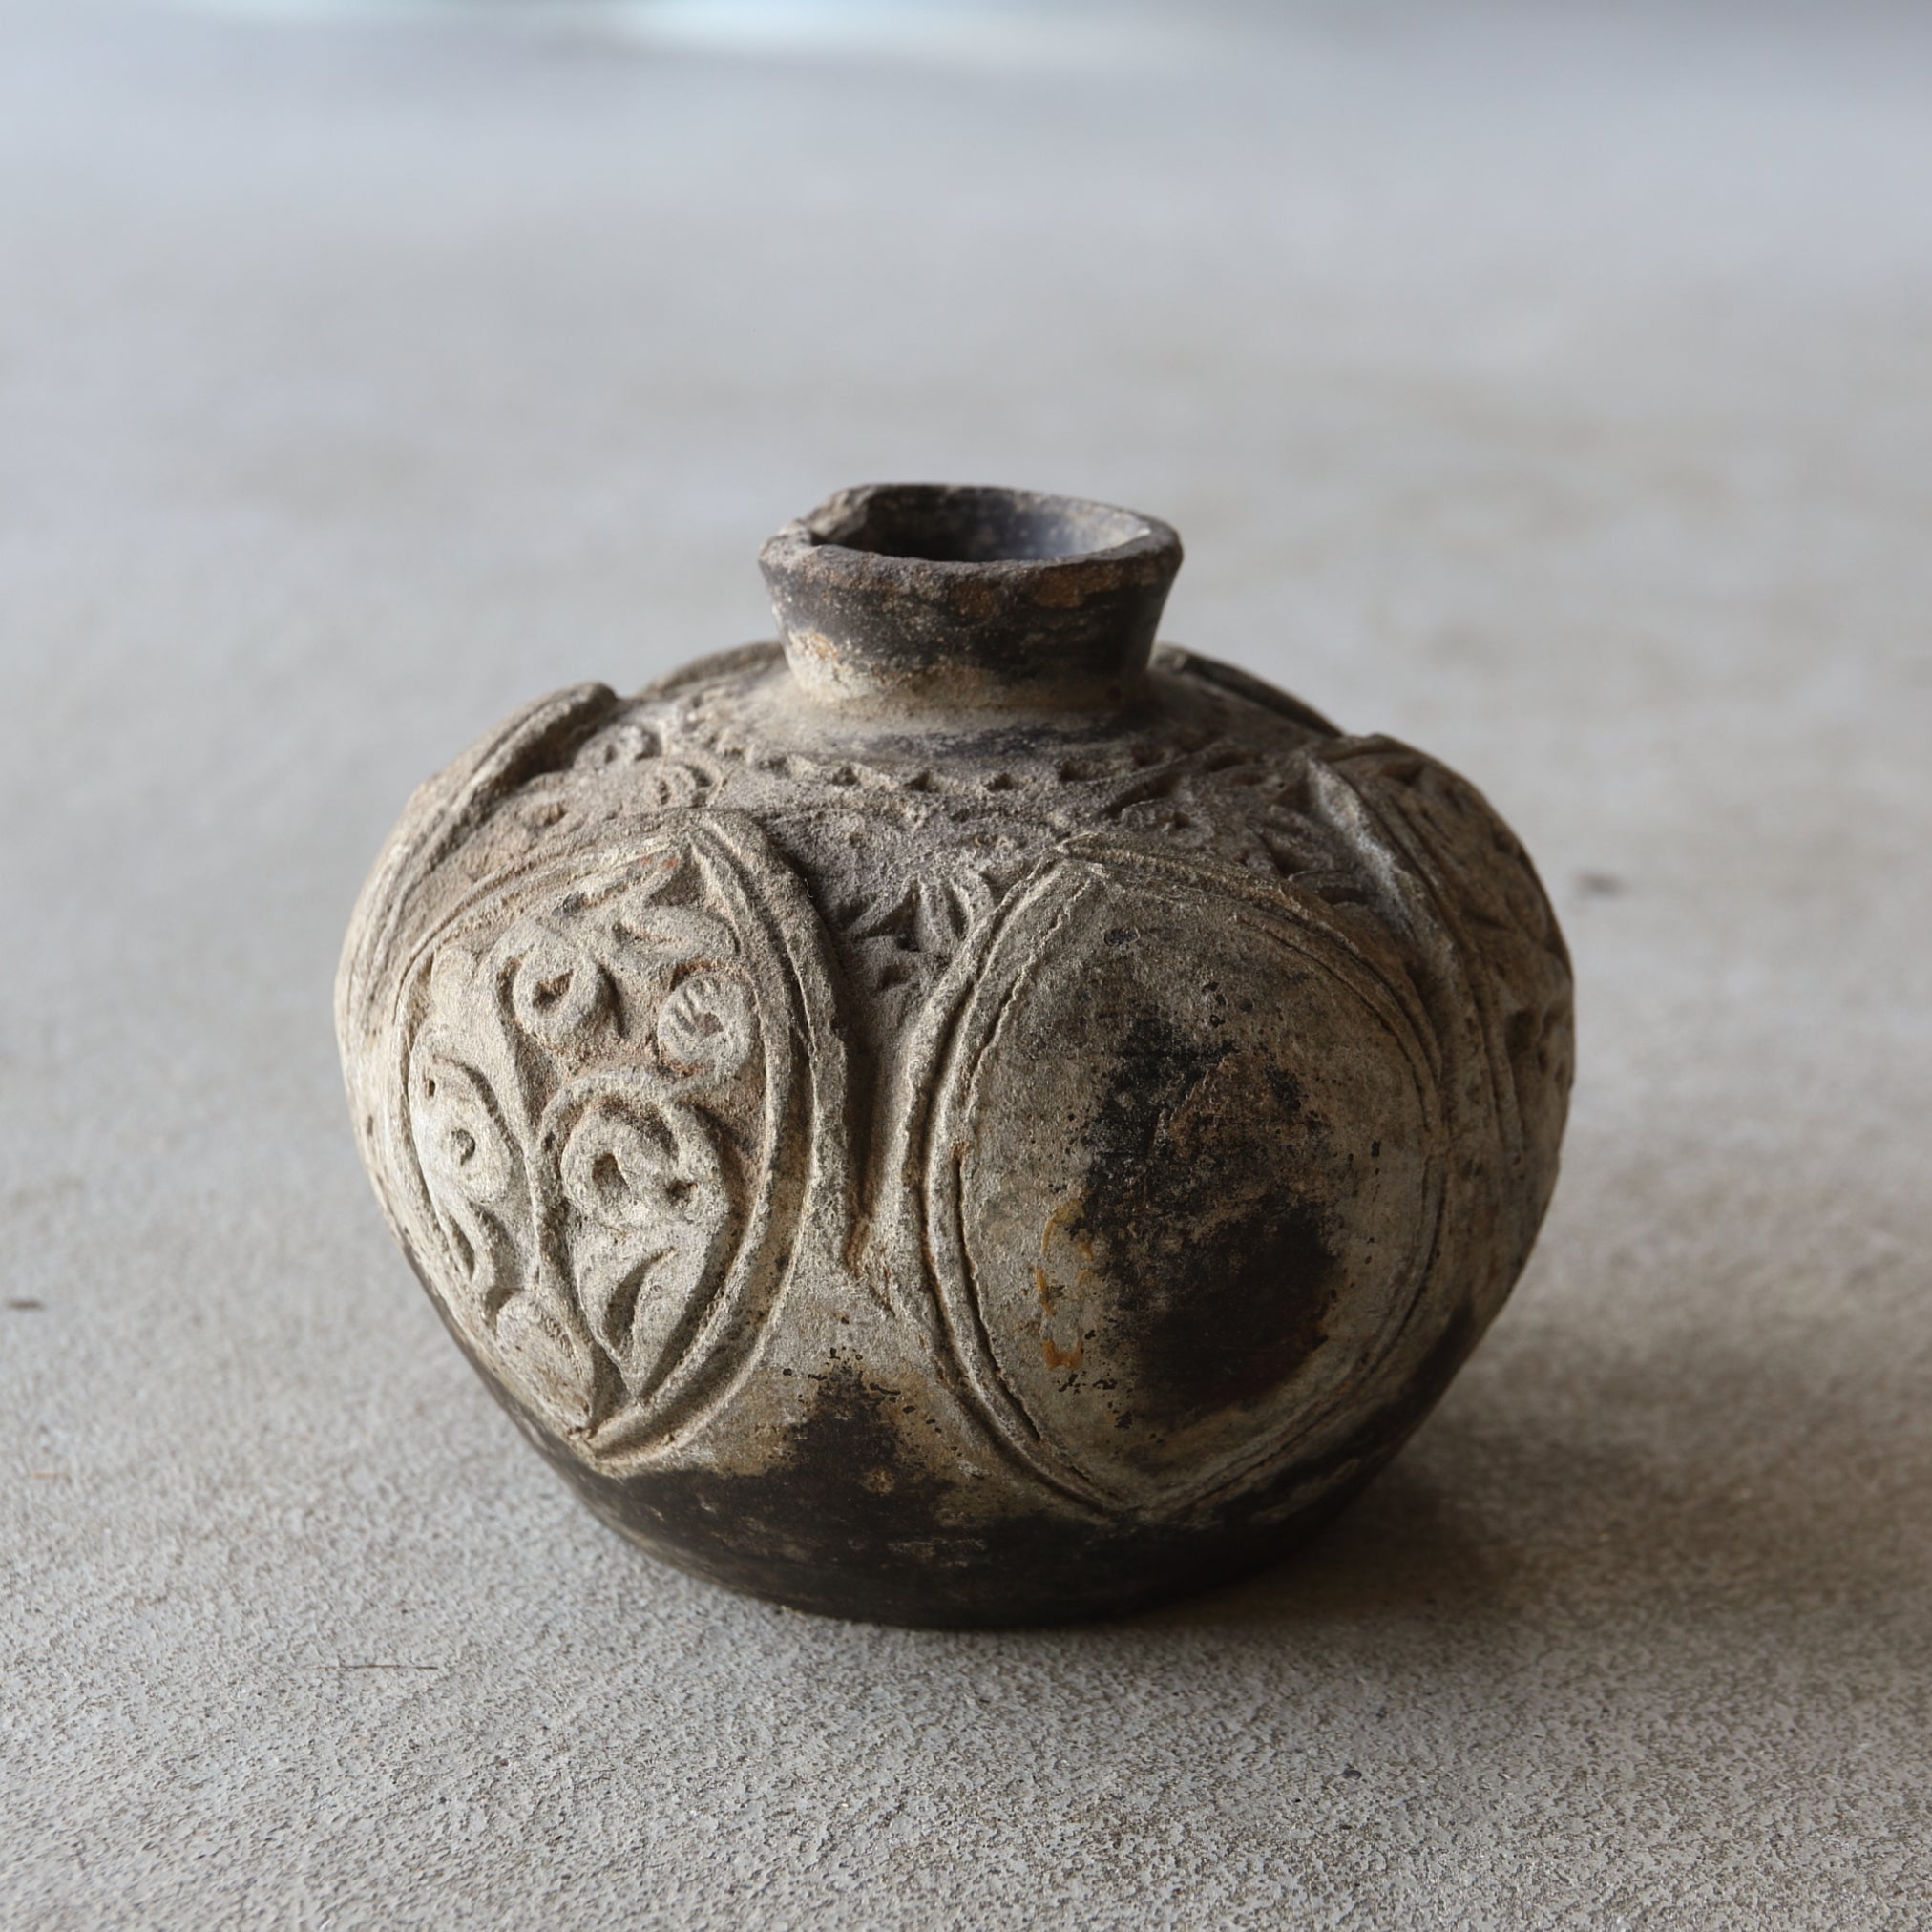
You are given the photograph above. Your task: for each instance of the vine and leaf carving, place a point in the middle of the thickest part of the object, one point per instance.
(898, 940)
(583, 1094)
(1252, 806)
(658, 779)
(1229, 781)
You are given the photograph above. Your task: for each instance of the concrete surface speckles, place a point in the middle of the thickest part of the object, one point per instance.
(1545, 387)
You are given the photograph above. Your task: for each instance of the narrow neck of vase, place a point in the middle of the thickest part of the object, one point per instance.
(911, 599)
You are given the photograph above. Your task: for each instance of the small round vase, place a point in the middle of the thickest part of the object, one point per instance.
(959, 1116)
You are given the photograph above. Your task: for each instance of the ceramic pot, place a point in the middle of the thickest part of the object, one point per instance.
(959, 1116)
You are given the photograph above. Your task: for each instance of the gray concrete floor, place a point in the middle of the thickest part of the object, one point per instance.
(1551, 385)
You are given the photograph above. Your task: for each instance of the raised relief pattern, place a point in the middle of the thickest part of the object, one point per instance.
(588, 1102)
(595, 1080)
(1168, 1230)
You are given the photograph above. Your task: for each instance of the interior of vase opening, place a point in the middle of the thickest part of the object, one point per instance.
(980, 526)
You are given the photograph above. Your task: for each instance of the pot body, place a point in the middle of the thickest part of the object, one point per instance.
(958, 1165)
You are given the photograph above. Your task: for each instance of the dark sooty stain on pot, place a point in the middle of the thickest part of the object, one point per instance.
(1223, 1278)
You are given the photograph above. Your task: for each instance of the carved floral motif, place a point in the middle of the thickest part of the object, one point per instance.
(583, 1090)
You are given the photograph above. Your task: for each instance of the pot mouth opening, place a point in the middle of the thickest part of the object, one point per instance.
(950, 524)
(929, 597)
